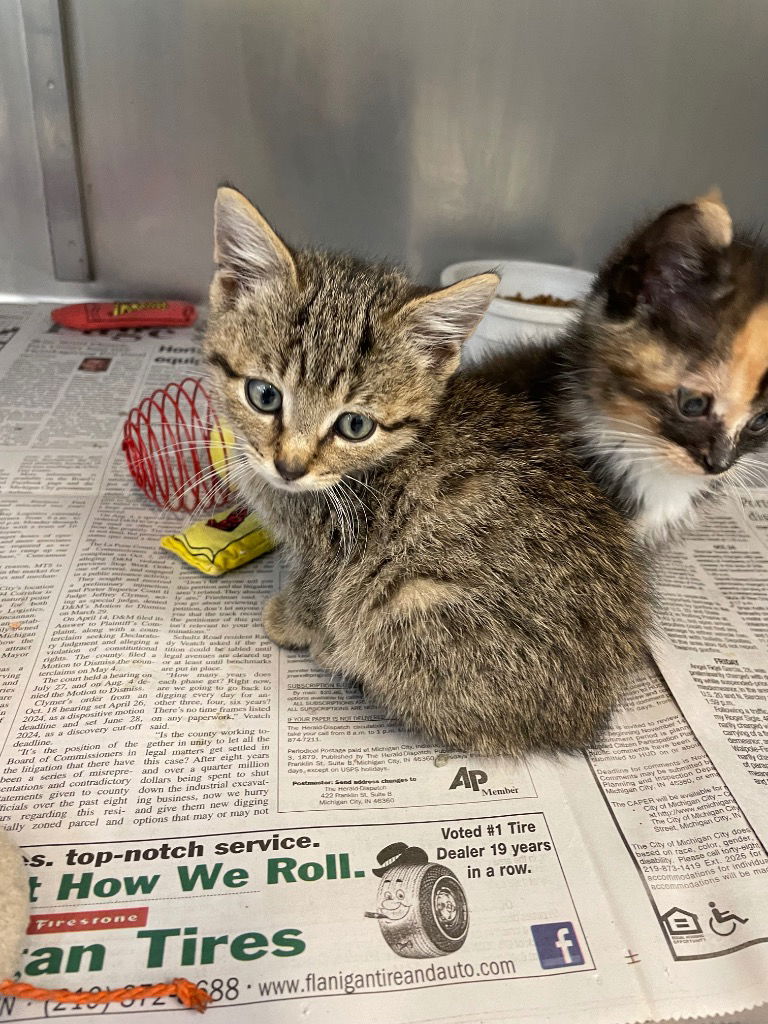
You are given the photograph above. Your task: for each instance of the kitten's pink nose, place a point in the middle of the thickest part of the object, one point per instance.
(290, 470)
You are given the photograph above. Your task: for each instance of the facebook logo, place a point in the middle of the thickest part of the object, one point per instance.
(557, 945)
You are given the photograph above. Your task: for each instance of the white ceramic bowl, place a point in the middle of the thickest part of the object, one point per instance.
(516, 323)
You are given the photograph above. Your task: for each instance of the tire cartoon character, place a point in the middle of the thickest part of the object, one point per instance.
(421, 907)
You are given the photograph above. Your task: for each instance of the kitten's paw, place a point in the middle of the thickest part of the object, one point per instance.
(282, 627)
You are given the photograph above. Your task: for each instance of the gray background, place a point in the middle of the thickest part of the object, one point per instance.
(428, 131)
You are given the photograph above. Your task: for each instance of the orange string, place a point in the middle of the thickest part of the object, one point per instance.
(191, 996)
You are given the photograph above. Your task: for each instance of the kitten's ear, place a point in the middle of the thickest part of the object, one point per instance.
(440, 322)
(247, 252)
(675, 269)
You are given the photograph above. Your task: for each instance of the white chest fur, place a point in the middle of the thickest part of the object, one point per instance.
(666, 500)
(663, 496)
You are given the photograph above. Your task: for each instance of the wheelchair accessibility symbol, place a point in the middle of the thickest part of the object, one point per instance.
(723, 922)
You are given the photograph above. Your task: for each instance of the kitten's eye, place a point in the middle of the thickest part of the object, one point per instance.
(693, 403)
(263, 396)
(354, 426)
(758, 423)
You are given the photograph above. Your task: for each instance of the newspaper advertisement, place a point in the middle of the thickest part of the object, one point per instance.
(192, 801)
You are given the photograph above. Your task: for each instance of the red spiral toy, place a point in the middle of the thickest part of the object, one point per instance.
(166, 440)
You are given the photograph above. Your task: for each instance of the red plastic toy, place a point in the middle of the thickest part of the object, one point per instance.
(99, 316)
(168, 439)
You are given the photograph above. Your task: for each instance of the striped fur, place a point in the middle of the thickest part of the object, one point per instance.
(459, 564)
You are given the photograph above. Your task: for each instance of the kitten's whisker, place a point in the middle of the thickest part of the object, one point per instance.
(615, 449)
(343, 518)
(743, 478)
(214, 497)
(340, 517)
(201, 480)
(174, 496)
(732, 491)
(352, 517)
(619, 440)
(365, 508)
(616, 443)
(632, 425)
(206, 505)
(331, 509)
(350, 490)
(373, 490)
(748, 474)
(318, 494)
(755, 467)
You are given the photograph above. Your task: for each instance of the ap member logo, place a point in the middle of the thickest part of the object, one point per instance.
(557, 945)
(470, 778)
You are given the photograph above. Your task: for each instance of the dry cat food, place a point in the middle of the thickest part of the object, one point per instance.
(541, 300)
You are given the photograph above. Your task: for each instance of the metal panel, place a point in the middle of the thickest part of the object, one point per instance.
(24, 247)
(424, 130)
(56, 138)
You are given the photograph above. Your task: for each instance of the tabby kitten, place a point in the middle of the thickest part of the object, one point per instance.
(446, 552)
(663, 380)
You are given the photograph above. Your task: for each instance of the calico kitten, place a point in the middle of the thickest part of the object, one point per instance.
(446, 552)
(663, 380)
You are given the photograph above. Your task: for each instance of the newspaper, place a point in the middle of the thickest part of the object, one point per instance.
(193, 802)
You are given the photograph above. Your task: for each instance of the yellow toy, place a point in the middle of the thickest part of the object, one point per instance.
(214, 549)
(177, 451)
(227, 540)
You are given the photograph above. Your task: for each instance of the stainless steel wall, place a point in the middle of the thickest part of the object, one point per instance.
(424, 130)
